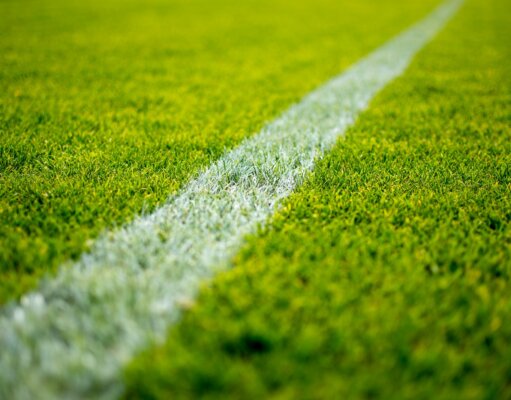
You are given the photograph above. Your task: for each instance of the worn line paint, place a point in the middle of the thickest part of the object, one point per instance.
(71, 338)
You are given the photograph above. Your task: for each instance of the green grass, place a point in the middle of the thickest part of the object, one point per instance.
(107, 106)
(388, 274)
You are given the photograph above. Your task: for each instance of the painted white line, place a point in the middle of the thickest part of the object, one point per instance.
(71, 338)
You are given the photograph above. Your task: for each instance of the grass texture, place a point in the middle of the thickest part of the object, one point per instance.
(388, 274)
(107, 107)
(125, 293)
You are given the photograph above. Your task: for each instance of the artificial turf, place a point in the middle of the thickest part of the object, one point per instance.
(387, 275)
(107, 107)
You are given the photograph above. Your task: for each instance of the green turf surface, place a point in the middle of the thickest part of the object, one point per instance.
(107, 107)
(388, 274)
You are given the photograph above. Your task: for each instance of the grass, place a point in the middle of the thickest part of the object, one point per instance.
(388, 274)
(108, 107)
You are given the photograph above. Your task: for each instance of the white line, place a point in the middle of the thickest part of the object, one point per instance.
(71, 338)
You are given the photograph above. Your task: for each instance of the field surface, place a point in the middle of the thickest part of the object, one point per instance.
(385, 275)
(107, 107)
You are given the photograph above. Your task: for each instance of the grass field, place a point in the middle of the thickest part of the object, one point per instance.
(386, 275)
(107, 107)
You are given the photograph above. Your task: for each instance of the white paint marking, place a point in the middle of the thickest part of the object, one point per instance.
(72, 337)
